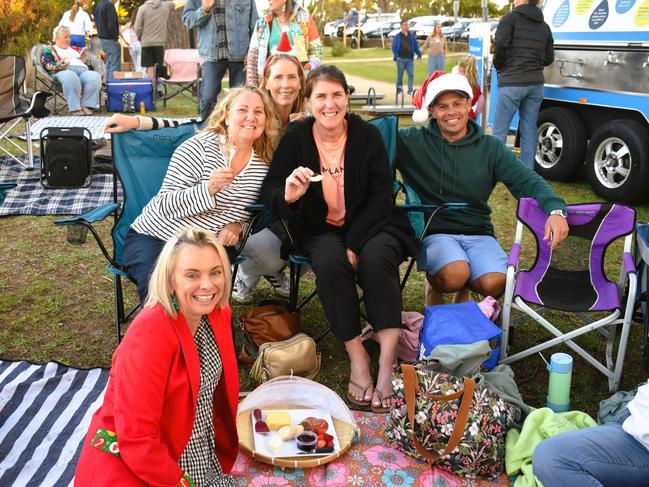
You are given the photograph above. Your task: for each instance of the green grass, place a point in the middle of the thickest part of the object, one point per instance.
(56, 300)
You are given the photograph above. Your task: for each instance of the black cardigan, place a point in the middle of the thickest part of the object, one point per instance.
(369, 207)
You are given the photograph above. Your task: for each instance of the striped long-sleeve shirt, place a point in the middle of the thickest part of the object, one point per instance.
(184, 199)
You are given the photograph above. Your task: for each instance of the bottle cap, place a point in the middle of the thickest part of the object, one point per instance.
(561, 363)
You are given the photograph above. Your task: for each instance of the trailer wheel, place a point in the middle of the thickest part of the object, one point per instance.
(561, 144)
(618, 161)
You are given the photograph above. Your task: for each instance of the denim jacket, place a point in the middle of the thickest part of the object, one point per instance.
(240, 19)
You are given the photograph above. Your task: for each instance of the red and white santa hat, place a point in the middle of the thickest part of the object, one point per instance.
(284, 46)
(437, 83)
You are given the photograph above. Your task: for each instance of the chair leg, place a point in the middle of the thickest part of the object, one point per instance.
(28, 140)
(119, 308)
(294, 282)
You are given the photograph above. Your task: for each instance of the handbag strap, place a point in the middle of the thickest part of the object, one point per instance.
(411, 386)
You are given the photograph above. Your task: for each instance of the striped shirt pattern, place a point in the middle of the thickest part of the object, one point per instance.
(45, 411)
(184, 200)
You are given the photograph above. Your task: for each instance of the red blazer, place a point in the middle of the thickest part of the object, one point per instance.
(150, 403)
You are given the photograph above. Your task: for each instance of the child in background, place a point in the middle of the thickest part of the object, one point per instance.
(467, 66)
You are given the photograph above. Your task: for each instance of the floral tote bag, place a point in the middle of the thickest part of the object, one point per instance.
(453, 423)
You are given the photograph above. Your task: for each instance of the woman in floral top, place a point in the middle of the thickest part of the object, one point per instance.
(67, 64)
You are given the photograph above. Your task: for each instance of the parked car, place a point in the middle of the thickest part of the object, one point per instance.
(411, 23)
(423, 28)
(455, 31)
(370, 22)
(331, 28)
(382, 30)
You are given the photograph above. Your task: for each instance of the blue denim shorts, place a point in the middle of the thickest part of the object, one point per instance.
(482, 252)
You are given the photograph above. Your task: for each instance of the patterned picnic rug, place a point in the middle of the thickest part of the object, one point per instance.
(31, 198)
(45, 411)
(93, 123)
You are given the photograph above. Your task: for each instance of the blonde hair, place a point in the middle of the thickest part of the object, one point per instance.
(58, 30)
(298, 106)
(264, 145)
(76, 6)
(160, 286)
(468, 65)
(434, 33)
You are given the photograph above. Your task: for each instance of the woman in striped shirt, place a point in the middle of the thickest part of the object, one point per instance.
(211, 179)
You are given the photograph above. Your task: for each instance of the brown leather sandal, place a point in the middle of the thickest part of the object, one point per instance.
(355, 401)
(380, 409)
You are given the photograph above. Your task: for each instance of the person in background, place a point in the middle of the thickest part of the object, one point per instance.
(81, 86)
(404, 48)
(283, 16)
(212, 178)
(224, 30)
(616, 453)
(151, 30)
(451, 160)
(78, 21)
(466, 66)
(523, 45)
(346, 222)
(435, 45)
(128, 35)
(168, 416)
(108, 33)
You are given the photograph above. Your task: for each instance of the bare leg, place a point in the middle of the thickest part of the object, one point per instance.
(490, 284)
(462, 295)
(360, 370)
(388, 339)
(452, 278)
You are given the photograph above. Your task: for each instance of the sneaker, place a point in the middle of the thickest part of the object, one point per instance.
(280, 284)
(241, 293)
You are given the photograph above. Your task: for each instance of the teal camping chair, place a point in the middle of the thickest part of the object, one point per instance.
(420, 216)
(140, 161)
(4, 187)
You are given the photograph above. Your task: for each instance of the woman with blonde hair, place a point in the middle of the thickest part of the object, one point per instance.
(212, 178)
(168, 416)
(436, 46)
(78, 21)
(466, 66)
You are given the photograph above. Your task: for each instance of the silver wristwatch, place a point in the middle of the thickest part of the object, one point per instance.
(562, 213)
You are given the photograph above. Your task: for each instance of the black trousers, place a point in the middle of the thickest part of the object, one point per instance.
(377, 274)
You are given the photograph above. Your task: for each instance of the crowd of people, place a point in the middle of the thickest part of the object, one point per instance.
(287, 139)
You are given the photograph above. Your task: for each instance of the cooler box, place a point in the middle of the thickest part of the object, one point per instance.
(142, 88)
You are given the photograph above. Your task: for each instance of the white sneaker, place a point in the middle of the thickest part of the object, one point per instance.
(280, 284)
(241, 293)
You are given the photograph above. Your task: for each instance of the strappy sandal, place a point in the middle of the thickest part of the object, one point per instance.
(355, 401)
(380, 409)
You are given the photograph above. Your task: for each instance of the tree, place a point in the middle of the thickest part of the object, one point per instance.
(24, 23)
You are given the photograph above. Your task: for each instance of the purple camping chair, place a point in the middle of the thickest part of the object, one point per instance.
(572, 279)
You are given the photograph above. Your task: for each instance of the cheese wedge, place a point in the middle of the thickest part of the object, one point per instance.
(276, 419)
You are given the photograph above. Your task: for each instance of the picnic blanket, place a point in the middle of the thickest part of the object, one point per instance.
(45, 411)
(93, 123)
(31, 198)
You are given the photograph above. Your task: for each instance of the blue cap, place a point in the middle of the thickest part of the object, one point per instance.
(561, 363)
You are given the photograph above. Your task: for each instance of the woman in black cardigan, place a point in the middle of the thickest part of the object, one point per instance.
(331, 180)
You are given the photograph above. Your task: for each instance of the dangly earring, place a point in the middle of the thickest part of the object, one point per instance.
(174, 302)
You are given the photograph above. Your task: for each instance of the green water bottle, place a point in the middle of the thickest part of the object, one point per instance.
(559, 385)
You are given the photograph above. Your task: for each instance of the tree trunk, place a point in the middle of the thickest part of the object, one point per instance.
(177, 33)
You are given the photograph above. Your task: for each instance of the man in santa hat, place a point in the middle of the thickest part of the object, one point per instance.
(452, 160)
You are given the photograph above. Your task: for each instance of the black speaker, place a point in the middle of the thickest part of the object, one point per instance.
(66, 157)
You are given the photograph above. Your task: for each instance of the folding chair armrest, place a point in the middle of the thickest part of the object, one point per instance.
(92, 216)
(256, 208)
(514, 255)
(628, 264)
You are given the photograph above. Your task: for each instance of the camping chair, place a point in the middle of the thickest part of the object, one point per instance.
(420, 216)
(186, 70)
(16, 107)
(4, 187)
(571, 278)
(51, 84)
(641, 251)
(141, 159)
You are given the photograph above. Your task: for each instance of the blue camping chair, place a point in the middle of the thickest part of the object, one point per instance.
(420, 216)
(140, 160)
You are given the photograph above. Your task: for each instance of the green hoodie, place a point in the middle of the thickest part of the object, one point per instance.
(466, 171)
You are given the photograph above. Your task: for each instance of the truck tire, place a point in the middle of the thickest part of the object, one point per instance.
(561, 144)
(618, 161)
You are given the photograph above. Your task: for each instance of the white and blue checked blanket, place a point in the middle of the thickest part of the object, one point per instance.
(94, 123)
(31, 198)
(45, 411)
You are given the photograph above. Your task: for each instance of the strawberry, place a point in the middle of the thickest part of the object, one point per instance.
(257, 414)
(261, 427)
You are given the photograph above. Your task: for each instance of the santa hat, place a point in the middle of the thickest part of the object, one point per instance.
(284, 46)
(437, 83)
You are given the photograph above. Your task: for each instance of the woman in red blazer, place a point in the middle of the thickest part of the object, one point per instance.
(168, 416)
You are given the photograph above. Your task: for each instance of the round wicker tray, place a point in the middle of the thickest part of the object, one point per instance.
(344, 431)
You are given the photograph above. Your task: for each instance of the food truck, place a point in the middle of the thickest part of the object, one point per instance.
(595, 110)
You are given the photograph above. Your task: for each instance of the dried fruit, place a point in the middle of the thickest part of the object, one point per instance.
(261, 427)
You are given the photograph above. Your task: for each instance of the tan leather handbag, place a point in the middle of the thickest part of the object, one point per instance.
(295, 356)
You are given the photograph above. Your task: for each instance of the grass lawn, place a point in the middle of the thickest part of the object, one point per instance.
(56, 300)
